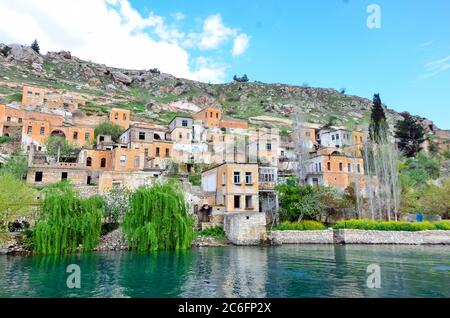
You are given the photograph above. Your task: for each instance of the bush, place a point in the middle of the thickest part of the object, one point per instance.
(109, 129)
(216, 232)
(5, 139)
(300, 226)
(195, 179)
(392, 225)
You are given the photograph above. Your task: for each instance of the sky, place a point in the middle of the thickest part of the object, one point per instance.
(400, 49)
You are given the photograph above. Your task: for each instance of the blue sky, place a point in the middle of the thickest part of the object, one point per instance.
(325, 43)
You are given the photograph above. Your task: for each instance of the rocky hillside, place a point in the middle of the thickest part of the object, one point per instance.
(154, 95)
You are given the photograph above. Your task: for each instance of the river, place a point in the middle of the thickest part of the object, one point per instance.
(285, 271)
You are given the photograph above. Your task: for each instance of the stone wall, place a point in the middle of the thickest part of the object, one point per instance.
(302, 237)
(349, 236)
(245, 228)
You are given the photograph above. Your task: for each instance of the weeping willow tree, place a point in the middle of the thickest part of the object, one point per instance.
(67, 222)
(158, 219)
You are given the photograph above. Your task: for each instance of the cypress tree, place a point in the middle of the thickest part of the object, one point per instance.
(378, 125)
(410, 135)
(35, 46)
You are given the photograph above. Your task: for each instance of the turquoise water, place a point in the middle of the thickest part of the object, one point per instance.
(286, 271)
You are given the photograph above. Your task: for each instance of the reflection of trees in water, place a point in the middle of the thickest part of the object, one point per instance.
(14, 281)
(156, 274)
(228, 272)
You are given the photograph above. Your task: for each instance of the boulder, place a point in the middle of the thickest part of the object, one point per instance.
(24, 54)
(110, 88)
(121, 78)
(37, 67)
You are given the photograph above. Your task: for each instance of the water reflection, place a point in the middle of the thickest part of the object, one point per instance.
(287, 271)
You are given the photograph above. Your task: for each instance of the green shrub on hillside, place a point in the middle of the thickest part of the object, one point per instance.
(300, 226)
(392, 225)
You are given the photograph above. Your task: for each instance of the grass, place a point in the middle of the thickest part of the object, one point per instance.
(14, 97)
(300, 226)
(392, 225)
(216, 232)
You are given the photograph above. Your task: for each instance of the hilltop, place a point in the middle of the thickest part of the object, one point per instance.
(154, 95)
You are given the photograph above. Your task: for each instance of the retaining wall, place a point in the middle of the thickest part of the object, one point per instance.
(349, 236)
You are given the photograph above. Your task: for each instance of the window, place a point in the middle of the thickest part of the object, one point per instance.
(75, 135)
(103, 163)
(217, 115)
(142, 135)
(315, 181)
(307, 134)
(211, 115)
(206, 115)
(123, 160)
(320, 166)
(42, 131)
(180, 136)
(282, 153)
(30, 94)
(358, 168)
(341, 167)
(184, 123)
(87, 136)
(248, 178)
(224, 178)
(237, 201)
(136, 162)
(88, 180)
(88, 162)
(167, 152)
(329, 166)
(37, 94)
(157, 152)
(45, 100)
(124, 116)
(64, 176)
(102, 138)
(269, 147)
(349, 167)
(8, 119)
(332, 137)
(30, 129)
(337, 136)
(248, 202)
(317, 167)
(20, 120)
(38, 176)
(236, 177)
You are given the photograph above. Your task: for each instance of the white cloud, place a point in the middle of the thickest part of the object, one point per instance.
(106, 31)
(433, 68)
(215, 33)
(241, 44)
(179, 16)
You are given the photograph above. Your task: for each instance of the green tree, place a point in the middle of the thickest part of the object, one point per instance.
(410, 135)
(35, 47)
(16, 165)
(299, 202)
(109, 129)
(16, 198)
(435, 199)
(378, 124)
(60, 149)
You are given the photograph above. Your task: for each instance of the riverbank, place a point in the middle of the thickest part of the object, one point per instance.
(352, 236)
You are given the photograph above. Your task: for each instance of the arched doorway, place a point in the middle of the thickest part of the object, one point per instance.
(58, 133)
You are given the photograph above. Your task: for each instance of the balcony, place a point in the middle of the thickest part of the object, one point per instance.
(267, 186)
